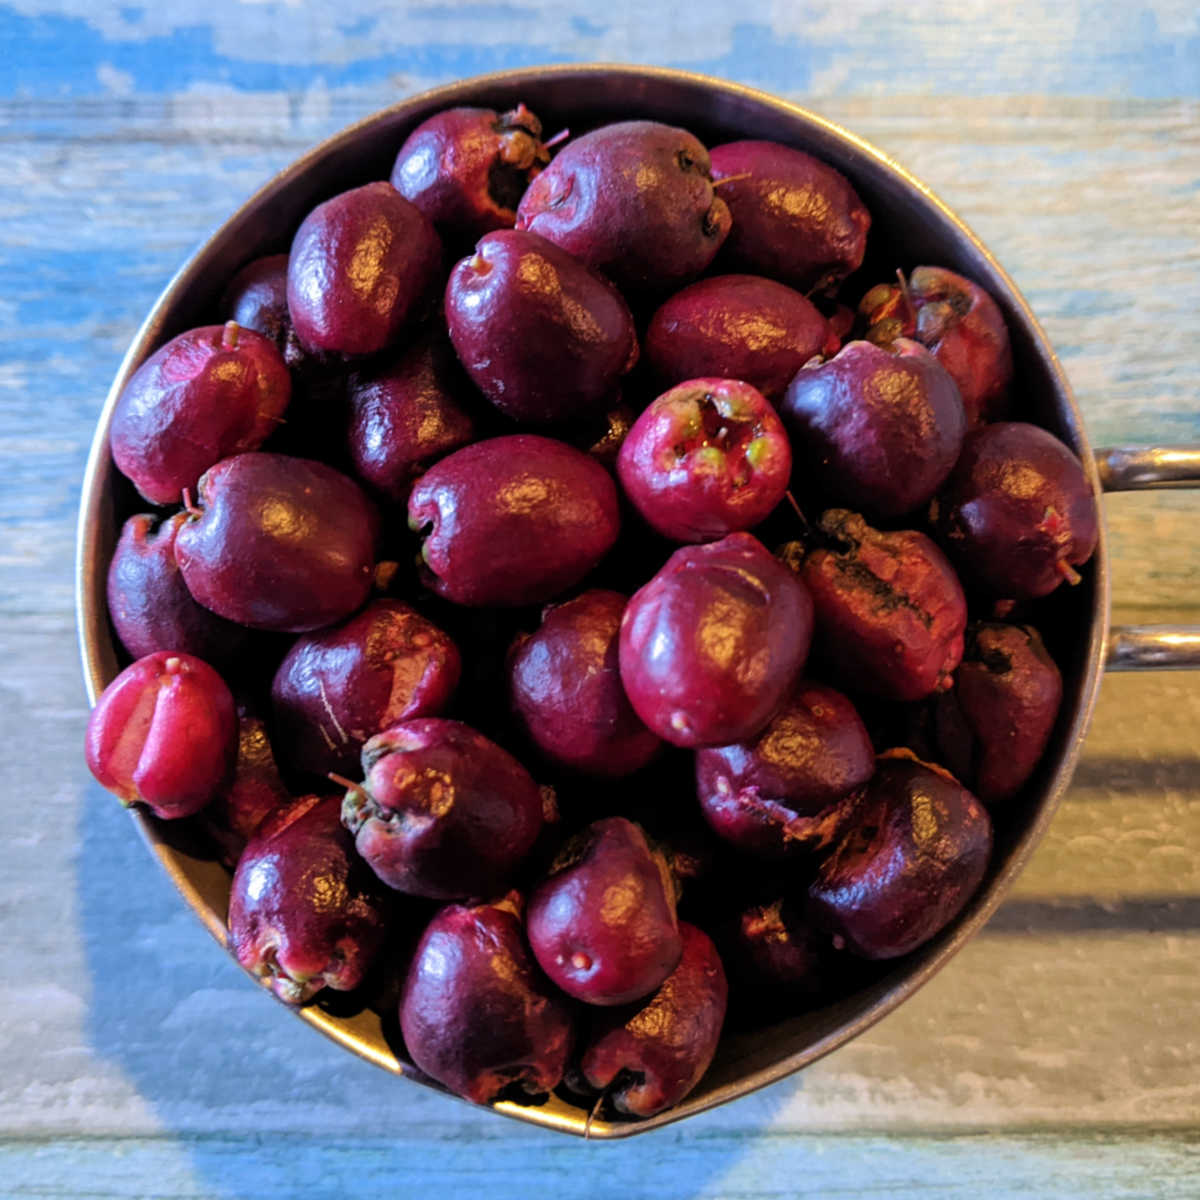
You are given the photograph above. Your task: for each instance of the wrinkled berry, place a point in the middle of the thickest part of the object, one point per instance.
(477, 1015)
(914, 857)
(959, 323)
(466, 169)
(772, 793)
(993, 726)
(304, 911)
(775, 956)
(635, 200)
(650, 1059)
(337, 688)
(889, 607)
(442, 812)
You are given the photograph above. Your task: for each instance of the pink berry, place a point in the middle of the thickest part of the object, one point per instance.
(708, 458)
(164, 734)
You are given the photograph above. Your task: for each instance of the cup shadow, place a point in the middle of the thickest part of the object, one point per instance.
(260, 1103)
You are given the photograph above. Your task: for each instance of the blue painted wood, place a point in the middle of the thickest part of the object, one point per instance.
(135, 1059)
(1048, 1167)
(1076, 48)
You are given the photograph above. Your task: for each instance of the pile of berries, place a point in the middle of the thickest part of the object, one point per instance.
(589, 640)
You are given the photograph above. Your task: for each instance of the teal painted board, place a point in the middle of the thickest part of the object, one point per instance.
(681, 1167)
(1062, 1047)
(1077, 48)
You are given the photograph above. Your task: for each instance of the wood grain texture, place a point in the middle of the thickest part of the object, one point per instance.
(1061, 1049)
(819, 47)
(1050, 1167)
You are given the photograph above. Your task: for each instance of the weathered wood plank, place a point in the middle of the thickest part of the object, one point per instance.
(1081, 1004)
(821, 48)
(714, 1166)
(1070, 140)
(93, 229)
(121, 1018)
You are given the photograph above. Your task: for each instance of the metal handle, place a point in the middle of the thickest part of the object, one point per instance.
(1153, 648)
(1135, 469)
(1139, 468)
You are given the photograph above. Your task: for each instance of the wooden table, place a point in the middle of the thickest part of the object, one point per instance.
(1059, 1055)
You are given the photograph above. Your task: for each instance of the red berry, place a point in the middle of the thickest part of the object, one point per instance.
(164, 734)
(208, 393)
(706, 459)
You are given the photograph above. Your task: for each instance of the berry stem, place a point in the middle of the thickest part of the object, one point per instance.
(906, 296)
(189, 505)
(798, 511)
(1068, 572)
(229, 335)
(587, 1126)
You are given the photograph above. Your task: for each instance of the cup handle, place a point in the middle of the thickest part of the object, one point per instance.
(1135, 469)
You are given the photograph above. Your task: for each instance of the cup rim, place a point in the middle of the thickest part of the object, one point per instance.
(96, 512)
